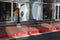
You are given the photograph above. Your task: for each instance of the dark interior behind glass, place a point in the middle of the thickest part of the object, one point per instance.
(5, 11)
(47, 11)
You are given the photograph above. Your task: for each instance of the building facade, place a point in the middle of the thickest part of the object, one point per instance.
(20, 10)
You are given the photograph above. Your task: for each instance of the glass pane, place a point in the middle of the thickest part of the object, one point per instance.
(57, 1)
(59, 12)
(47, 11)
(8, 11)
(24, 12)
(15, 11)
(36, 10)
(56, 11)
(47, 1)
(5, 11)
(31, 4)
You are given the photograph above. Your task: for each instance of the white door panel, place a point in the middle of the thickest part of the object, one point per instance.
(37, 11)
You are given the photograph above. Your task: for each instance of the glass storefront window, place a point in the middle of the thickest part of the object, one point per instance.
(56, 11)
(24, 12)
(57, 1)
(5, 11)
(15, 11)
(8, 14)
(36, 9)
(47, 11)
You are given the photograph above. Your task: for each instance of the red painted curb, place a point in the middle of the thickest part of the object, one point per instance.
(30, 32)
(13, 35)
(43, 30)
(57, 28)
(34, 31)
(52, 28)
